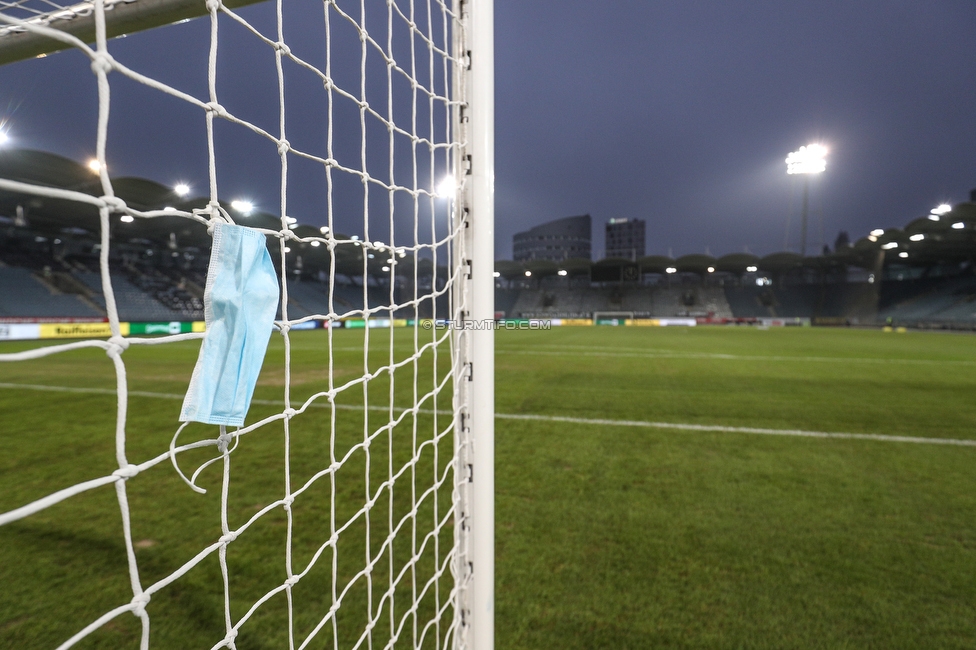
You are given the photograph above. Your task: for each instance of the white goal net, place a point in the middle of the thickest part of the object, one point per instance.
(339, 515)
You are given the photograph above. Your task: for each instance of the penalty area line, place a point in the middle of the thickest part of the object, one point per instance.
(642, 424)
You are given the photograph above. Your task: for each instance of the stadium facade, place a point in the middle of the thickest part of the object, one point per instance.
(555, 241)
(919, 275)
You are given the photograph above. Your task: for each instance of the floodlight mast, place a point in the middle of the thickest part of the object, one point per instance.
(811, 159)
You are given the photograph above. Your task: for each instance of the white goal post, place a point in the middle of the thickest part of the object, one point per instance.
(440, 592)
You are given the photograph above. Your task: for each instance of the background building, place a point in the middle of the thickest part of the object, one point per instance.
(625, 238)
(557, 240)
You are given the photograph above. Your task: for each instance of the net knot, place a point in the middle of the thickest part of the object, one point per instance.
(213, 5)
(228, 538)
(115, 203)
(116, 346)
(283, 147)
(331, 162)
(292, 581)
(288, 500)
(139, 603)
(223, 441)
(290, 412)
(283, 48)
(327, 83)
(126, 472)
(215, 108)
(102, 62)
(284, 328)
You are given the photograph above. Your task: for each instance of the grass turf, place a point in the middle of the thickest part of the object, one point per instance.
(607, 536)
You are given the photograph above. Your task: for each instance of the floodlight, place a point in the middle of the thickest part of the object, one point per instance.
(316, 244)
(355, 238)
(95, 166)
(169, 208)
(959, 225)
(942, 209)
(126, 219)
(181, 189)
(934, 217)
(287, 249)
(291, 221)
(903, 254)
(711, 269)
(497, 274)
(528, 274)
(877, 232)
(670, 269)
(752, 269)
(324, 230)
(889, 246)
(4, 138)
(242, 206)
(446, 188)
(810, 159)
(563, 272)
(918, 237)
(386, 269)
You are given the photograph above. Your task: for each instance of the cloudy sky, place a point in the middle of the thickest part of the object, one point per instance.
(680, 113)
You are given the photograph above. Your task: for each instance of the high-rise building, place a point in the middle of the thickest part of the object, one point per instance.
(556, 241)
(625, 238)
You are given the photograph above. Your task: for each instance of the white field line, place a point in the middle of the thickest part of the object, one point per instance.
(798, 433)
(646, 353)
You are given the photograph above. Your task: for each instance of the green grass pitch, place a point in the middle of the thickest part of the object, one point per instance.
(607, 536)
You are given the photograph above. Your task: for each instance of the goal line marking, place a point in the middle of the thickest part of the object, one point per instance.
(797, 433)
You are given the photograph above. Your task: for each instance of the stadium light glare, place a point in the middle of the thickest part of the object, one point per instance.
(958, 225)
(445, 189)
(181, 189)
(316, 244)
(126, 218)
(711, 269)
(918, 237)
(497, 274)
(934, 217)
(670, 269)
(528, 274)
(386, 269)
(4, 137)
(941, 209)
(890, 245)
(752, 269)
(877, 232)
(169, 208)
(287, 249)
(95, 166)
(811, 159)
(903, 254)
(563, 272)
(872, 238)
(324, 230)
(242, 206)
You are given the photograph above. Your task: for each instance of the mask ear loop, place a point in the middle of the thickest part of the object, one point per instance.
(222, 445)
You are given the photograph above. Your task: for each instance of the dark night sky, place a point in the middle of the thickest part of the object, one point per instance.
(680, 113)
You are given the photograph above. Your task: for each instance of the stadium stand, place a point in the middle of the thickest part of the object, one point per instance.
(921, 275)
(24, 295)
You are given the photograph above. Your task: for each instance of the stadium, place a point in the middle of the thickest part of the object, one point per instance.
(268, 381)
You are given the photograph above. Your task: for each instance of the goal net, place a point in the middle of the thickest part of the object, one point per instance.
(353, 508)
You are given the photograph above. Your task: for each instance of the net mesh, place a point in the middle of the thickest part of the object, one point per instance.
(383, 491)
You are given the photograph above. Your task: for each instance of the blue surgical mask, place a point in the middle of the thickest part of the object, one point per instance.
(240, 302)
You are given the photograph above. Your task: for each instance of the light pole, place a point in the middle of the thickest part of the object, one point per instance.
(810, 159)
